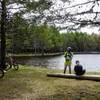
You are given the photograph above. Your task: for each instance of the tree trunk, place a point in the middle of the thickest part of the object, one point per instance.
(3, 32)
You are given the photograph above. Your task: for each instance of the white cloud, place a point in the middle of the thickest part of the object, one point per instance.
(59, 5)
(91, 30)
(36, 0)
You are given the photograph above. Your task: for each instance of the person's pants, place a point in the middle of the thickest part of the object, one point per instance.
(66, 68)
(67, 64)
(80, 73)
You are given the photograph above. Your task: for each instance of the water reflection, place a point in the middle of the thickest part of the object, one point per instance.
(91, 62)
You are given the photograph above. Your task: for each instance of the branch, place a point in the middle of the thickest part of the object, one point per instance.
(85, 12)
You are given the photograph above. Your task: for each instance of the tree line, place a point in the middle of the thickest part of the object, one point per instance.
(23, 36)
(26, 37)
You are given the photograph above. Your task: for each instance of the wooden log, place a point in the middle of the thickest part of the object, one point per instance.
(73, 76)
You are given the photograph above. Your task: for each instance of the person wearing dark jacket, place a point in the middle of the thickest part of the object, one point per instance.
(79, 69)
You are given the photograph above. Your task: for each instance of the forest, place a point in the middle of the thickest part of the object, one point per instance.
(34, 26)
(24, 37)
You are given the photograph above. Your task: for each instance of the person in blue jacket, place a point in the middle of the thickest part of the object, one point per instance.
(79, 69)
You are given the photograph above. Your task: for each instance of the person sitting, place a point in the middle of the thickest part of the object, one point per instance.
(79, 69)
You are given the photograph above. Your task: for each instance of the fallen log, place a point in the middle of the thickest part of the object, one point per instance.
(73, 76)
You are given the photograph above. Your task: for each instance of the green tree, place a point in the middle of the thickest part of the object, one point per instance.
(25, 6)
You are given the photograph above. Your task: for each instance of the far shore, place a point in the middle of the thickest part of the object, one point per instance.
(86, 52)
(46, 54)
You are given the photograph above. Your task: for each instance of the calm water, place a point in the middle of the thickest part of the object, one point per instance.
(91, 62)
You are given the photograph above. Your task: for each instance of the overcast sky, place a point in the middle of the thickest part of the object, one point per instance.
(61, 4)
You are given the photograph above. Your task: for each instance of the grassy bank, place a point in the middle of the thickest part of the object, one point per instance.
(32, 84)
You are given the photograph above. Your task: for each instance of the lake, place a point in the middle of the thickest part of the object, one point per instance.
(91, 62)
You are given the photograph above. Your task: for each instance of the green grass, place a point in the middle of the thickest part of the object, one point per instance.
(31, 83)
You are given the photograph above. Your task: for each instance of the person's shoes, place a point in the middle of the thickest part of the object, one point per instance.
(4, 71)
(64, 72)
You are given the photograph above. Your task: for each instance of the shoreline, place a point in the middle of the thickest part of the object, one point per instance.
(47, 54)
(86, 52)
(35, 55)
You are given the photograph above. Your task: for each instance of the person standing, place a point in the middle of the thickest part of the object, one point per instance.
(68, 59)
